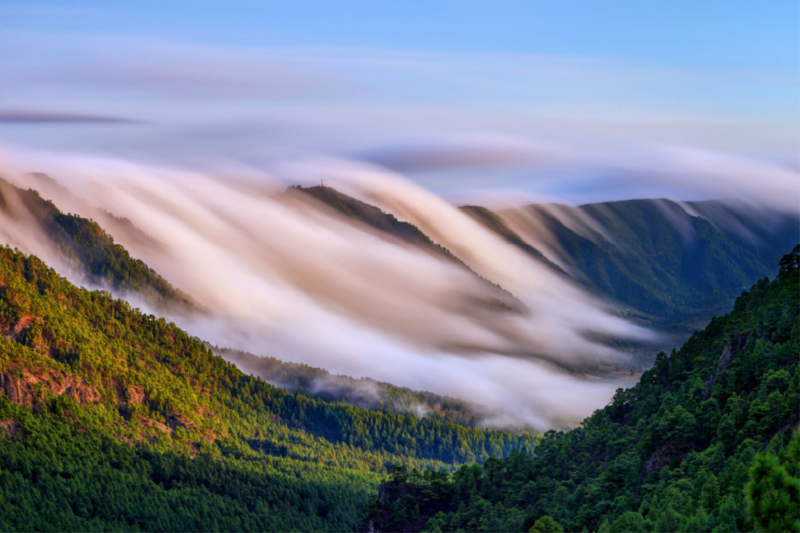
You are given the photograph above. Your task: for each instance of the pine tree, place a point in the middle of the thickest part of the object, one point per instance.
(546, 525)
(773, 496)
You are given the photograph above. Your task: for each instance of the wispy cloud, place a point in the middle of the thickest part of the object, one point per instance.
(12, 116)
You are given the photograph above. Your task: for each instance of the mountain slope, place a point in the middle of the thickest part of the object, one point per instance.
(87, 249)
(670, 454)
(93, 390)
(668, 263)
(495, 223)
(387, 223)
(365, 393)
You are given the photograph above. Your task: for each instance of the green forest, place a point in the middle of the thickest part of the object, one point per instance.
(707, 441)
(366, 393)
(113, 419)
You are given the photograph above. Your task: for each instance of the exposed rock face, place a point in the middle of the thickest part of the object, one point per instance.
(14, 331)
(664, 455)
(734, 345)
(136, 394)
(27, 389)
(9, 428)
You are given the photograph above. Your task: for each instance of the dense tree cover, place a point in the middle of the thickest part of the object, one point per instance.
(116, 419)
(363, 392)
(667, 267)
(90, 251)
(673, 453)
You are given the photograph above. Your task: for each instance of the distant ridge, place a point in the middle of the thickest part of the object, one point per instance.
(495, 223)
(89, 250)
(387, 223)
(365, 393)
(665, 266)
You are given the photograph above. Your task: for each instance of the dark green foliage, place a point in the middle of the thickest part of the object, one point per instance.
(790, 263)
(773, 496)
(91, 252)
(112, 419)
(672, 453)
(365, 393)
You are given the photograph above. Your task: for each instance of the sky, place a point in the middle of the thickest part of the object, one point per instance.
(545, 98)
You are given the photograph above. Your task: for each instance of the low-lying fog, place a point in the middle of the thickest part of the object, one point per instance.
(282, 275)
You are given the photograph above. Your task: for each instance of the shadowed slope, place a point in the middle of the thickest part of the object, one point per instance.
(668, 266)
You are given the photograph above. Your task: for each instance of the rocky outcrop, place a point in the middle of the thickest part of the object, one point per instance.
(15, 330)
(664, 455)
(9, 428)
(733, 346)
(26, 388)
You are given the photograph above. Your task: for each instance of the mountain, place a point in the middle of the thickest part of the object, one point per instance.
(365, 393)
(495, 223)
(114, 419)
(662, 263)
(667, 264)
(389, 225)
(707, 440)
(84, 248)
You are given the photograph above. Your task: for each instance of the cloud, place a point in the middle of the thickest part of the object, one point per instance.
(11, 116)
(285, 277)
(153, 69)
(462, 151)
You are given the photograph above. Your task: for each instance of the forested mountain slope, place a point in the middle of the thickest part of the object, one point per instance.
(365, 393)
(113, 419)
(85, 248)
(673, 453)
(669, 263)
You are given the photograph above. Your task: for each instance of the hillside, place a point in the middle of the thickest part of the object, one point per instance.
(113, 419)
(365, 393)
(669, 264)
(86, 249)
(673, 453)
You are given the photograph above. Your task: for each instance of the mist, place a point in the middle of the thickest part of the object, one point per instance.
(280, 275)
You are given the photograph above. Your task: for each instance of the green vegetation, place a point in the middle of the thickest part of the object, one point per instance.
(706, 441)
(91, 252)
(666, 267)
(112, 419)
(365, 393)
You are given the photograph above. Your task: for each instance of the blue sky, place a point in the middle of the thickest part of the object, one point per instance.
(259, 81)
(679, 33)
